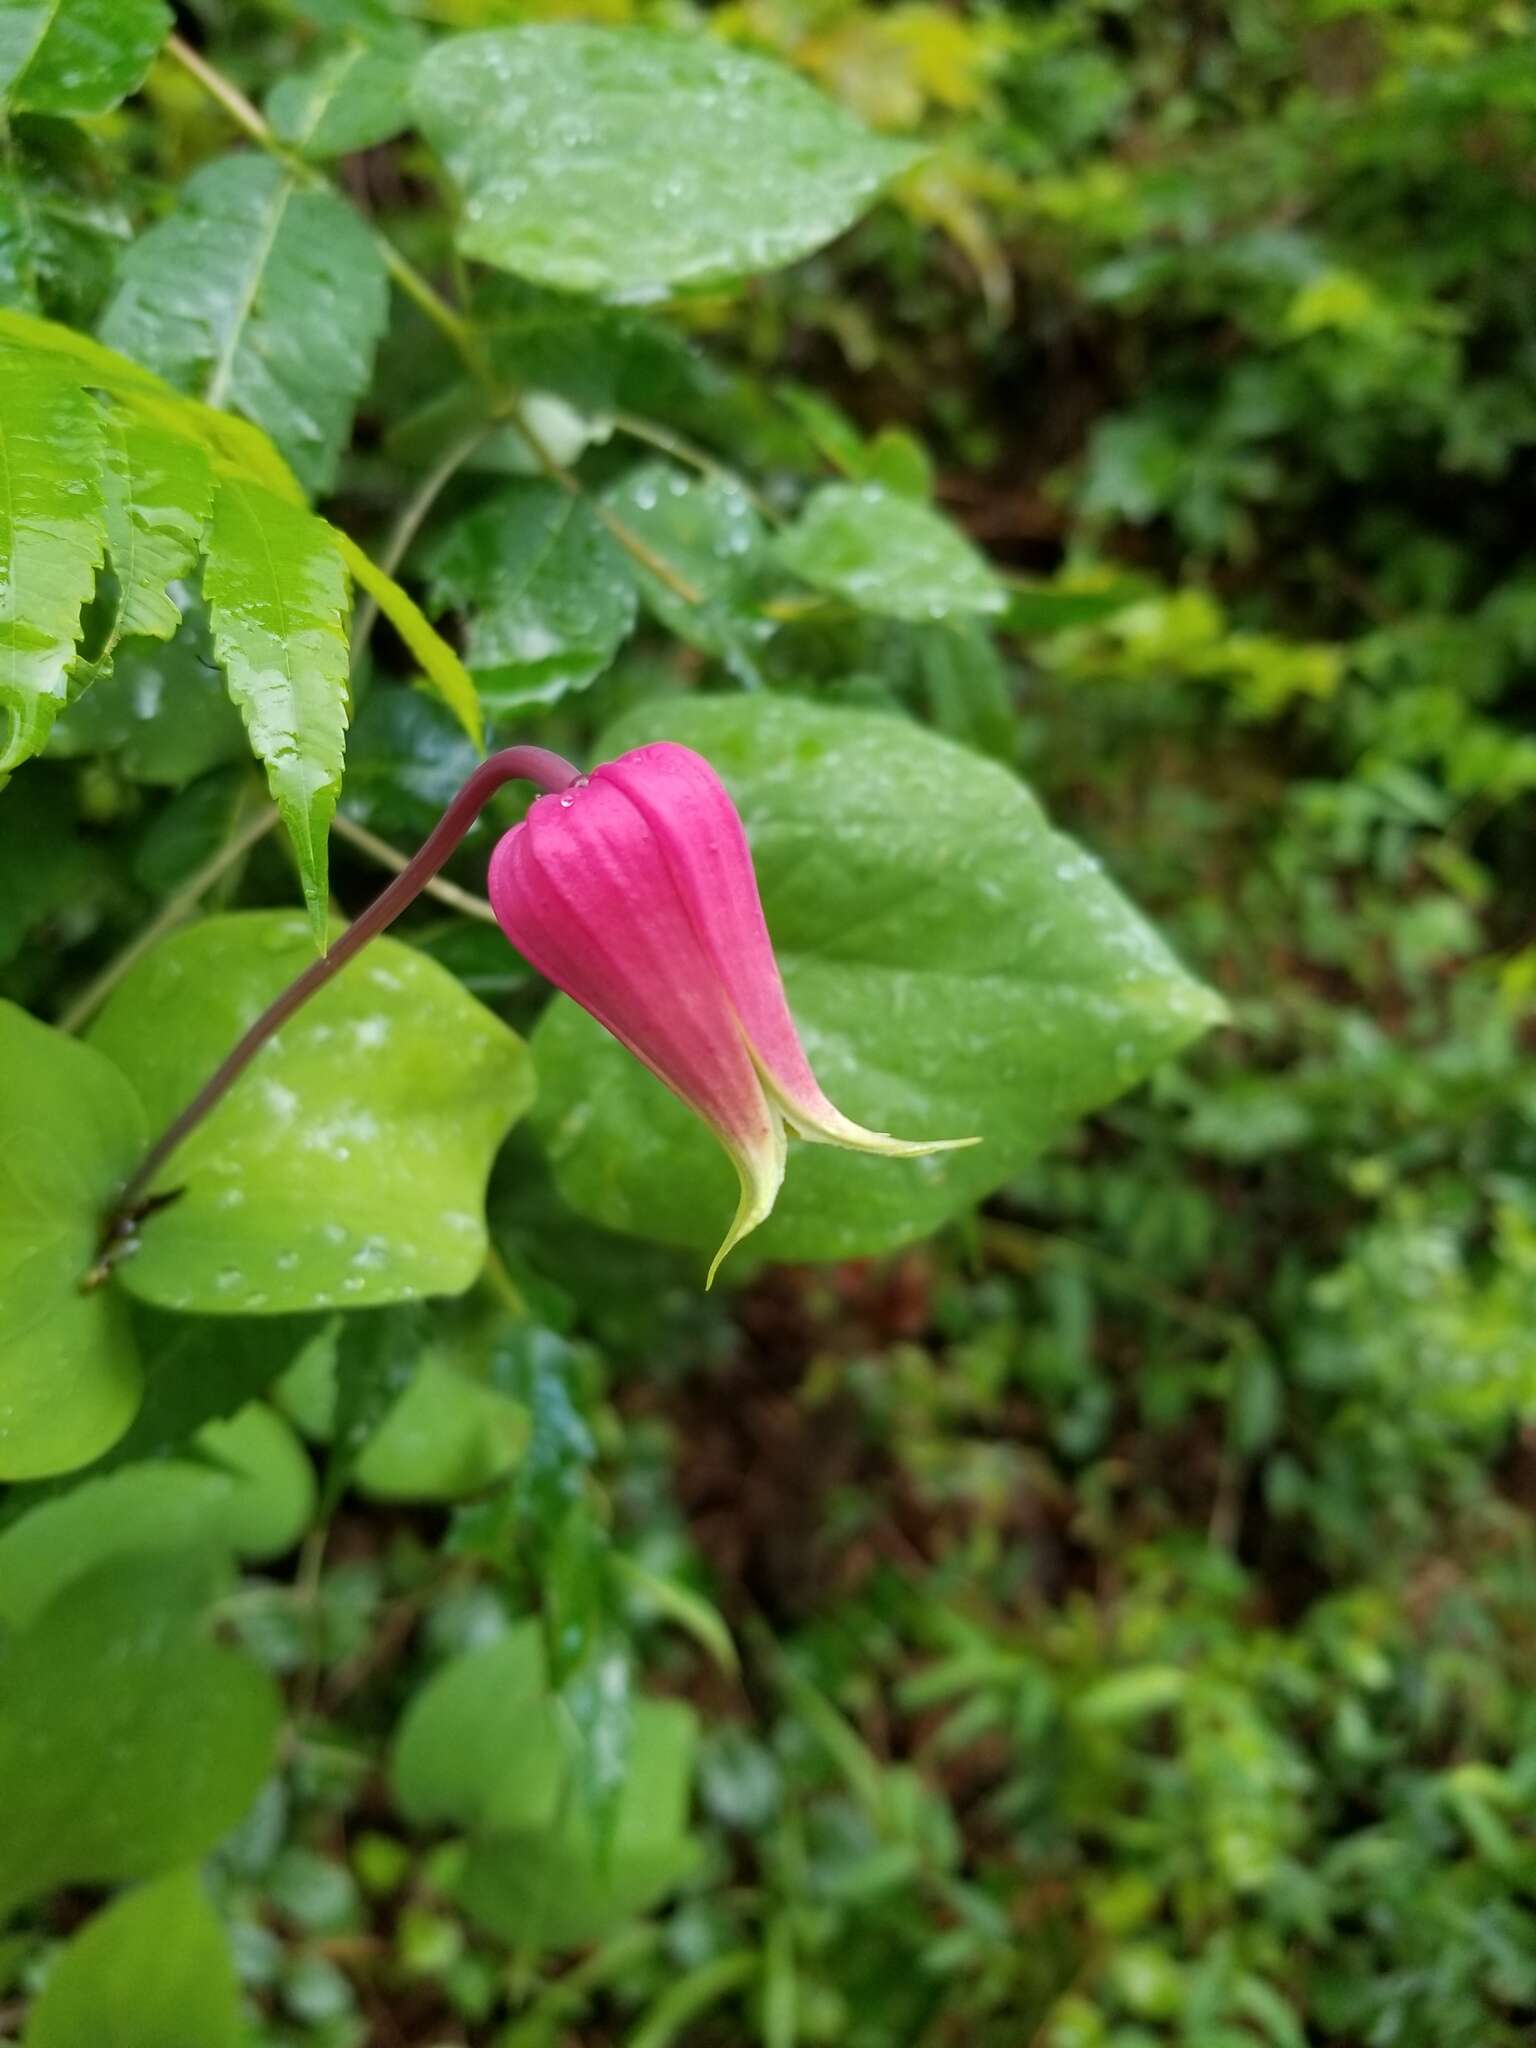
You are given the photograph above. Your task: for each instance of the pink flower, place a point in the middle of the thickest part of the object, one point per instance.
(634, 892)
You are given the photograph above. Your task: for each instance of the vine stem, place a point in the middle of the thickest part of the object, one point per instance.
(459, 331)
(513, 764)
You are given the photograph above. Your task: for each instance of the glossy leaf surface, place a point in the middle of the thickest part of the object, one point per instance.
(77, 56)
(547, 594)
(52, 536)
(629, 161)
(277, 600)
(262, 295)
(71, 1129)
(351, 98)
(347, 1167)
(887, 553)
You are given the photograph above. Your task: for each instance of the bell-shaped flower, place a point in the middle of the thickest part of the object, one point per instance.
(634, 892)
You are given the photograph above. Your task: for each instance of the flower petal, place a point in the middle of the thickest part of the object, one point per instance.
(585, 894)
(700, 834)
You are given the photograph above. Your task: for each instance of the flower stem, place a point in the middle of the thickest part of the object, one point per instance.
(513, 764)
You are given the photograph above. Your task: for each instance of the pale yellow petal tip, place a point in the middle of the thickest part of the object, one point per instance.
(855, 1138)
(761, 1176)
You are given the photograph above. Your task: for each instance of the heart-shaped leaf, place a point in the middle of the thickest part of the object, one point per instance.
(71, 1128)
(348, 1165)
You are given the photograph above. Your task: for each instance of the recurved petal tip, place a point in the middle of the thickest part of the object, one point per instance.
(761, 1172)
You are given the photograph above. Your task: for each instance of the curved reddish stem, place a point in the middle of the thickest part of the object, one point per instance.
(512, 764)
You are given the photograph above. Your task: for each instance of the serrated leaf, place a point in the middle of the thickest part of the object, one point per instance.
(128, 1740)
(52, 537)
(61, 225)
(889, 554)
(77, 56)
(158, 487)
(627, 161)
(233, 443)
(441, 666)
(71, 1129)
(348, 1165)
(350, 99)
(547, 595)
(954, 965)
(263, 295)
(277, 601)
(708, 533)
(165, 717)
(152, 1970)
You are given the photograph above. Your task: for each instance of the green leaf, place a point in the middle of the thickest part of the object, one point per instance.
(71, 1129)
(887, 553)
(233, 443)
(352, 98)
(548, 596)
(153, 1970)
(348, 1165)
(448, 1434)
(77, 56)
(479, 1745)
(129, 1741)
(252, 1494)
(628, 161)
(441, 666)
(708, 533)
(577, 1880)
(52, 538)
(62, 224)
(270, 1481)
(198, 1370)
(262, 295)
(165, 716)
(277, 600)
(158, 489)
(956, 969)
(485, 1747)
(376, 1357)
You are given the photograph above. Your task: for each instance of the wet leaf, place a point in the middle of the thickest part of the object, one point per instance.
(351, 98)
(71, 1129)
(708, 534)
(277, 601)
(347, 1167)
(441, 666)
(447, 1435)
(263, 295)
(887, 553)
(158, 489)
(629, 161)
(547, 594)
(52, 537)
(485, 1747)
(77, 56)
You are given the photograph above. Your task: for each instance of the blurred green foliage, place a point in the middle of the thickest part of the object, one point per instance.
(1134, 1591)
